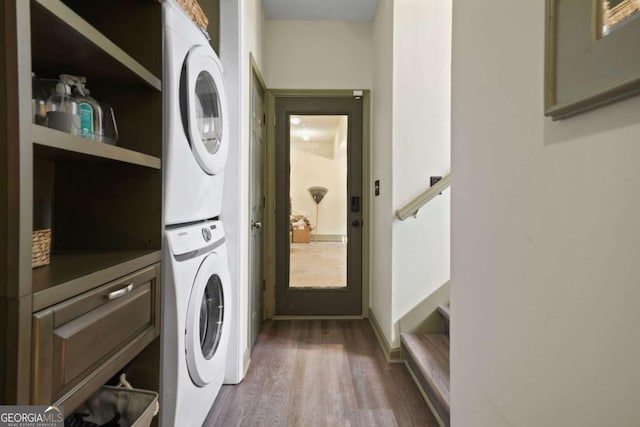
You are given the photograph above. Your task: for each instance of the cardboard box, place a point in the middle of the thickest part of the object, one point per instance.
(301, 235)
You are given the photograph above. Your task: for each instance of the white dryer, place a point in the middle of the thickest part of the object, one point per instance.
(196, 321)
(194, 109)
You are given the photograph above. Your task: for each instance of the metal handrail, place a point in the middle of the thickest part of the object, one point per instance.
(412, 208)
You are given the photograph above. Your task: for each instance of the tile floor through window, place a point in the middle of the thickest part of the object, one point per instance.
(318, 265)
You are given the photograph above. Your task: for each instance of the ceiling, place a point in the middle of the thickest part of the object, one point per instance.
(320, 10)
(318, 134)
(315, 128)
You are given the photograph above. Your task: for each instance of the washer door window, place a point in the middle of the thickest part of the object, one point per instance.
(205, 109)
(211, 316)
(205, 327)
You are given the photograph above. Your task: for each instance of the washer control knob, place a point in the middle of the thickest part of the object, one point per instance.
(206, 234)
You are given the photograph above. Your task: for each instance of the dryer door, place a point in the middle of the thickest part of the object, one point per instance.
(204, 108)
(207, 321)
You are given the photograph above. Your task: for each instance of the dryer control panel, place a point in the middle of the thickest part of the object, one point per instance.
(196, 237)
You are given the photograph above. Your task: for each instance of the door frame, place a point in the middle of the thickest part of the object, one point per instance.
(367, 193)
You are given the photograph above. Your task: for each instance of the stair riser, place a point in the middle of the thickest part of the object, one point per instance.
(445, 315)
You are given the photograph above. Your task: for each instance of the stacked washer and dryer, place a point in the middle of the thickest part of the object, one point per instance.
(196, 307)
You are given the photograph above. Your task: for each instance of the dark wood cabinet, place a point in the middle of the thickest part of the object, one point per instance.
(74, 341)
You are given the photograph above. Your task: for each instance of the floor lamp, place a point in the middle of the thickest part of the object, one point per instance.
(318, 194)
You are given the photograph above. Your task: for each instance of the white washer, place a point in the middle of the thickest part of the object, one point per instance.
(196, 321)
(196, 135)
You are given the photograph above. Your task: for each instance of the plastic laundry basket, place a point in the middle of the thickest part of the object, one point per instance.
(136, 407)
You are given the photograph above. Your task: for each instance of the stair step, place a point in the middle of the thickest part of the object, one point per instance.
(428, 358)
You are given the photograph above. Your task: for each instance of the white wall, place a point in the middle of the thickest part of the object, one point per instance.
(546, 238)
(411, 105)
(421, 95)
(421, 148)
(308, 169)
(241, 25)
(421, 257)
(318, 55)
(382, 168)
(255, 34)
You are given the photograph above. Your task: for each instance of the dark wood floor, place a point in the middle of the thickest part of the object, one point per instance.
(320, 373)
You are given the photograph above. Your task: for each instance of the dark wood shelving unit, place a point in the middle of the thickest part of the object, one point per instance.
(103, 202)
(55, 145)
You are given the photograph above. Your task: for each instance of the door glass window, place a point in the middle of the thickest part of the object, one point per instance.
(211, 316)
(208, 118)
(318, 201)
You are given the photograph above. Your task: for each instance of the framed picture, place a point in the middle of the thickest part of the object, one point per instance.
(592, 54)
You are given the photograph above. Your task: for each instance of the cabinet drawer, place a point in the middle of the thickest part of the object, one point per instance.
(88, 334)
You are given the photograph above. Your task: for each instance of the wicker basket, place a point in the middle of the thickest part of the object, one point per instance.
(194, 10)
(40, 247)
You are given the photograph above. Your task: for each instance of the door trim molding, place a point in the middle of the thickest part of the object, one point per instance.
(254, 70)
(269, 227)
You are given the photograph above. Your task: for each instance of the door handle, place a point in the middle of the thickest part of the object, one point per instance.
(355, 223)
(355, 204)
(256, 225)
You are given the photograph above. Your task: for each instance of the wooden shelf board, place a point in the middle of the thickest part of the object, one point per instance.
(70, 274)
(63, 42)
(69, 147)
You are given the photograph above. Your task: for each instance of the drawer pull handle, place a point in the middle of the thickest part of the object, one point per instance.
(120, 292)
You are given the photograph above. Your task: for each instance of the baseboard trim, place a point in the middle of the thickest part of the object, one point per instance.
(392, 354)
(341, 238)
(424, 395)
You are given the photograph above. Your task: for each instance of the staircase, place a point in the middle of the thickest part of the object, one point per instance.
(427, 358)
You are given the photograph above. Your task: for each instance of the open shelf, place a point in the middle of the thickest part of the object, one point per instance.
(62, 41)
(69, 274)
(139, 29)
(57, 145)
